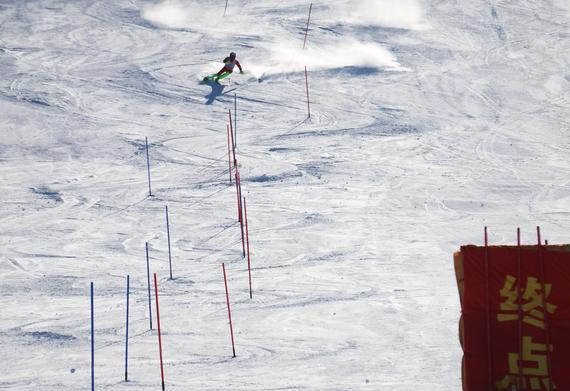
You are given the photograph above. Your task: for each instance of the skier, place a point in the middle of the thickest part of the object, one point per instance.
(229, 64)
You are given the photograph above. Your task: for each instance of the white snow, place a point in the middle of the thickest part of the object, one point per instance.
(429, 120)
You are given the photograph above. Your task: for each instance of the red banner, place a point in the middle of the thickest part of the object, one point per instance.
(515, 328)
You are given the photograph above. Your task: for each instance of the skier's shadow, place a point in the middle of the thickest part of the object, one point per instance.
(217, 90)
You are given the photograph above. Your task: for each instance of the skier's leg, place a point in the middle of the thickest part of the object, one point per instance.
(224, 69)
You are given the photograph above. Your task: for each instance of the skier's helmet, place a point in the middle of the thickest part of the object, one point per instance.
(232, 55)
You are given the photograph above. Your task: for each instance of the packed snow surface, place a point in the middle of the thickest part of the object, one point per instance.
(429, 120)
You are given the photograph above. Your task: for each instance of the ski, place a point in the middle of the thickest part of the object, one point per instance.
(215, 77)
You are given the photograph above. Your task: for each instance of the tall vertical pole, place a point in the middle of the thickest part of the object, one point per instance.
(148, 167)
(159, 335)
(92, 342)
(168, 235)
(238, 195)
(545, 306)
(233, 141)
(229, 155)
(307, 87)
(148, 286)
(520, 378)
(226, 8)
(235, 117)
(127, 334)
(229, 311)
(247, 239)
(488, 314)
(240, 210)
(307, 29)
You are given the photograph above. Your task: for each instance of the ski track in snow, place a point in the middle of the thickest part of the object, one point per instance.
(354, 213)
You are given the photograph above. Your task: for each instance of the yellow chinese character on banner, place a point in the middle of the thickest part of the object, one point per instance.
(531, 302)
(533, 375)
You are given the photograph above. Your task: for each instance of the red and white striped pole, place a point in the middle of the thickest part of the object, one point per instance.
(247, 239)
(229, 310)
(159, 334)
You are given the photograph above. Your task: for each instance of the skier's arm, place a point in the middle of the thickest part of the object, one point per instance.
(239, 66)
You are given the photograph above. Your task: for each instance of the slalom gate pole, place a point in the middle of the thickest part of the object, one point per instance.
(241, 216)
(544, 305)
(237, 195)
(229, 311)
(127, 334)
(247, 239)
(168, 236)
(520, 377)
(92, 342)
(148, 167)
(229, 154)
(159, 335)
(226, 8)
(233, 140)
(307, 29)
(235, 117)
(148, 286)
(307, 87)
(488, 314)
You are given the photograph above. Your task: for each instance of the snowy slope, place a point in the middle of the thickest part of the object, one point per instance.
(429, 121)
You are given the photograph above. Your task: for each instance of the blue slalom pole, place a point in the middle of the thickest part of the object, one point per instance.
(148, 285)
(92, 342)
(127, 335)
(148, 166)
(168, 235)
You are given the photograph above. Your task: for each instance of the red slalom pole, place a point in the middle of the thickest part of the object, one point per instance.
(544, 305)
(307, 29)
(229, 155)
(232, 136)
(159, 334)
(238, 179)
(229, 311)
(247, 239)
(237, 195)
(520, 377)
(307, 86)
(490, 365)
